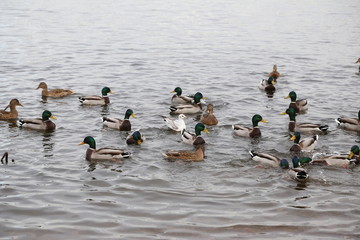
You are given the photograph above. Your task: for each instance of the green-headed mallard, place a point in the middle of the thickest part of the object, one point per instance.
(194, 138)
(135, 138)
(296, 172)
(97, 100)
(43, 123)
(176, 124)
(13, 114)
(53, 92)
(195, 107)
(247, 131)
(103, 153)
(358, 61)
(275, 74)
(179, 99)
(268, 84)
(344, 161)
(121, 124)
(352, 124)
(265, 159)
(208, 116)
(300, 105)
(303, 127)
(307, 144)
(193, 156)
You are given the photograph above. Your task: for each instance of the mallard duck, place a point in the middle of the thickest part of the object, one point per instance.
(265, 159)
(358, 61)
(195, 107)
(308, 144)
(176, 124)
(194, 139)
(179, 99)
(268, 84)
(194, 156)
(344, 161)
(208, 116)
(97, 100)
(13, 114)
(122, 125)
(43, 123)
(300, 105)
(53, 92)
(303, 127)
(250, 132)
(103, 153)
(296, 172)
(135, 138)
(352, 124)
(275, 74)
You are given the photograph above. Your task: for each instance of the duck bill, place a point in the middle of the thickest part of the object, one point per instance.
(293, 137)
(287, 97)
(172, 91)
(82, 143)
(205, 130)
(52, 117)
(139, 142)
(273, 82)
(111, 92)
(264, 121)
(283, 113)
(351, 155)
(133, 115)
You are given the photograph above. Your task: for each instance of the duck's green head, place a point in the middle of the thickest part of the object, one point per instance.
(200, 127)
(354, 151)
(197, 97)
(304, 160)
(292, 96)
(295, 162)
(90, 141)
(46, 115)
(296, 137)
(178, 91)
(271, 80)
(137, 137)
(256, 119)
(105, 91)
(129, 113)
(291, 112)
(284, 164)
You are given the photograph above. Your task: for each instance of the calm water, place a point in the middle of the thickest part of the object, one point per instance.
(142, 50)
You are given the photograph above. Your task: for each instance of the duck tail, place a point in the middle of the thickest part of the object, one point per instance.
(81, 99)
(173, 109)
(337, 120)
(126, 154)
(20, 123)
(252, 153)
(324, 128)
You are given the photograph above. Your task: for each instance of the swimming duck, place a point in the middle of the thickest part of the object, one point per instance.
(43, 123)
(303, 127)
(122, 125)
(179, 99)
(352, 124)
(344, 161)
(296, 172)
(13, 114)
(250, 132)
(194, 139)
(103, 153)
(265, 159)
(53, 92)
(208, 116)
(308, 144)
(135, 138)
(97, 100)
(194, 156)
(275, 74)
(300, 105)
(268, 85)
(195, 107)
(358, 61)
(176, 124)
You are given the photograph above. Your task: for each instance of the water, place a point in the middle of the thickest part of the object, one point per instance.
(142, 50)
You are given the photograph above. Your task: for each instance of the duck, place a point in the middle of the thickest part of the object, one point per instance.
(135, 138)
(306, 128)
(344, 161)
(196, 155)
(307, 144)
(352, 124)
(358, 61)
(268, 84)
(247, 131)
(13, 114)
(300, 105)
(265, 159)
(120, 124)
(103, 153)
(194, 138)
(208, 116)
(53, 92)
(275, 74)
(178, 124)
(97, 100)
(296, 172)
(195, 107)
(178, 99)
(43, 123)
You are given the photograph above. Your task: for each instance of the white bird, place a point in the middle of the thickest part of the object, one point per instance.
(176, 124)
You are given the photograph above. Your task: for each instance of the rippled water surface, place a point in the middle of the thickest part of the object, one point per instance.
(142, 50)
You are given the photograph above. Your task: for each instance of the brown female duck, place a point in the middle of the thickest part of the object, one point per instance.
(208, 116)
(13, 114)
(191, 156)
(53, 92)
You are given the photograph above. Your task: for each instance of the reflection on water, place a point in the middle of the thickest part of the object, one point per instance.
(48, 144)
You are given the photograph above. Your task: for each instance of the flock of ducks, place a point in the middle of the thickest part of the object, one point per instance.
(184, 105)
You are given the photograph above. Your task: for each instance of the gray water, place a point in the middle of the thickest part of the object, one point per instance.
(142, 50)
